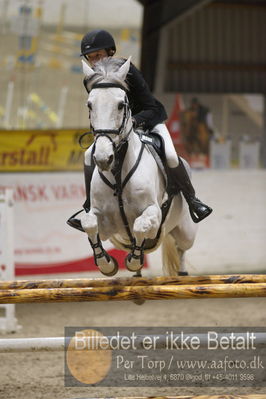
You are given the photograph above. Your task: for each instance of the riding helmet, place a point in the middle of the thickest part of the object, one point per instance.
(97, 40)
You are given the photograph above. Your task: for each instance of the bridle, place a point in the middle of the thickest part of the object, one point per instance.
(105, 132)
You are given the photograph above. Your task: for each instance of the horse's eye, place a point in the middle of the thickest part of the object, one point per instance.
(89, 105)
(120, 105)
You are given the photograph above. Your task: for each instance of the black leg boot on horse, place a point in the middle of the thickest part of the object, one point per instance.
(180, 179)
(73, 221)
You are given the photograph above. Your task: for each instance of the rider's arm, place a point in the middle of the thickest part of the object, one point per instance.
(146, 109)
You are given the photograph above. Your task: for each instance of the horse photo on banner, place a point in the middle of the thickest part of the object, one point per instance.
(191, 130)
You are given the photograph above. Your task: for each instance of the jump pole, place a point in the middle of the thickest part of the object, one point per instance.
(126, 293)
(134, 281)
(47, 344)
(258, 396)
(52, 344)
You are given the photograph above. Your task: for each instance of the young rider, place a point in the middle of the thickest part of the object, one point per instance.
(147, 114)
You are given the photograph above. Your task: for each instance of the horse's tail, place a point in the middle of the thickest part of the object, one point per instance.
(170, 256)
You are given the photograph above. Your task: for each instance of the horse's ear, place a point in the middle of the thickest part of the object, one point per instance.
(123, 70)
(86, 69)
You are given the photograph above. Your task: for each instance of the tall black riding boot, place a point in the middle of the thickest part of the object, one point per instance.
(73, 221)
(180, 179)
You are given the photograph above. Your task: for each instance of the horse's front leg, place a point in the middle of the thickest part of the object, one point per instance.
(145, 227)
(106, 263)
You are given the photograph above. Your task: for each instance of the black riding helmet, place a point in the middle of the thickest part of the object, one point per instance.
(97, 40)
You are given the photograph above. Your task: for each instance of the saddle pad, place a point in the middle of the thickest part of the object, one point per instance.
(156, 141)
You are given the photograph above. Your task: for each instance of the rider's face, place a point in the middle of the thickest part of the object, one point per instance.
(96, 56)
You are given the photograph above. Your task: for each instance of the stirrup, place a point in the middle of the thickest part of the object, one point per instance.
(74, 222)
(198, 210)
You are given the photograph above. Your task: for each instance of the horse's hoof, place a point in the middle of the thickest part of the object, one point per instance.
(138, 274)
(111, 270)
(131, 266)
(183, 273)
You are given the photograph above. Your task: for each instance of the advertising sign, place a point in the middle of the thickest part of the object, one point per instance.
(41, 150)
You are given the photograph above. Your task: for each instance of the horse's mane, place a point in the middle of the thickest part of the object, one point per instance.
(105, 71)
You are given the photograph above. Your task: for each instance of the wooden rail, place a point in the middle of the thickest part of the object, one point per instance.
(124, 293)
(134, 281)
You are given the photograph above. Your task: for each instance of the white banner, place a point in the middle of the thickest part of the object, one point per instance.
(44, 243)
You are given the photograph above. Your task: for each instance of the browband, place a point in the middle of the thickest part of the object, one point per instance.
(107, 85)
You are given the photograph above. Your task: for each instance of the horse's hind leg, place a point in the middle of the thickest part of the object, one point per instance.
(184, 238)
(182, 265)
(106, 263)
(145, 226)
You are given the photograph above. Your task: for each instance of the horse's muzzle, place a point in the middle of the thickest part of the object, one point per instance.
(104, 164)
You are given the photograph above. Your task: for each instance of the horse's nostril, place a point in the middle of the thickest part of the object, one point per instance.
(110, 160)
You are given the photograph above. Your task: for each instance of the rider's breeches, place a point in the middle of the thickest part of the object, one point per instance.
(170, 152)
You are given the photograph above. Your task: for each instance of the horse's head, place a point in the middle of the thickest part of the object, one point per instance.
(110, 116)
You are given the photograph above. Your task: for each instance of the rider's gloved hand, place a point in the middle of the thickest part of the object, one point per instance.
(138, 126)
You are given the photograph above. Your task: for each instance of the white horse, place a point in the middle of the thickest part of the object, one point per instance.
(128, 189)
